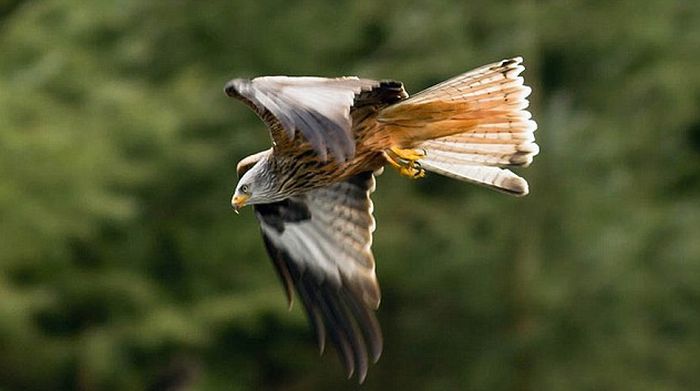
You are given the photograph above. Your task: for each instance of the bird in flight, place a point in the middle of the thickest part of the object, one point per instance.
(330, 137)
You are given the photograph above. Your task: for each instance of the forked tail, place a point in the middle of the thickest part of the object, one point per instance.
(469, 127)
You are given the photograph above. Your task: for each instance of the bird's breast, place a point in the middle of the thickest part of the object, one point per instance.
(307, 171)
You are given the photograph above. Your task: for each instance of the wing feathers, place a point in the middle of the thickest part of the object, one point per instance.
(281, 262)
(368, 324)
(318, 108)
(320, 244)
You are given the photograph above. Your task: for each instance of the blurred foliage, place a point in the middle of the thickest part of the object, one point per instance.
(123, 268)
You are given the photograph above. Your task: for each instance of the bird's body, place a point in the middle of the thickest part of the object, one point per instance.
(311, 190)
(304, 170)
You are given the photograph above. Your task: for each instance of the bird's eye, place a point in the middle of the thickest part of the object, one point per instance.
(244, 189)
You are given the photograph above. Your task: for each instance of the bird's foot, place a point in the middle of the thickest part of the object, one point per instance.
(406, 161)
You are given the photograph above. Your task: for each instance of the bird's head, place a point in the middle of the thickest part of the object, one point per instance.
(256, 184)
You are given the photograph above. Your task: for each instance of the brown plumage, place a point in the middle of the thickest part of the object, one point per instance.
(311, 190)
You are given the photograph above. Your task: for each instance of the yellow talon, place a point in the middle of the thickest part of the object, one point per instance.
(406, 161)
(408, 154)
(412, 172)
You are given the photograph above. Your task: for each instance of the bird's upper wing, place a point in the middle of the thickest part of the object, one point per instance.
(320, 244)
(317, 107)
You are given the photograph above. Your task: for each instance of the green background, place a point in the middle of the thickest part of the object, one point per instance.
(123, 267)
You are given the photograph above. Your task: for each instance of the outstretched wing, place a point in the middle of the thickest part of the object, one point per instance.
(320, 244)
(317, 107)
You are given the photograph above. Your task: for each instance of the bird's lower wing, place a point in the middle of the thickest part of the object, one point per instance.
(320, 244)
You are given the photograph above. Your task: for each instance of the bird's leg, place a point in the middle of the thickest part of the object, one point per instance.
(406, 161)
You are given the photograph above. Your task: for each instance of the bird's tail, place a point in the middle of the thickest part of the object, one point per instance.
(469, 127)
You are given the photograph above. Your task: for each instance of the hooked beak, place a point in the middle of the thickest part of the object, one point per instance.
(238, 201)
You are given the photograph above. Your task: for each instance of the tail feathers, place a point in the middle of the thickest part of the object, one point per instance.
(470, 125)
(468, 149)
(493, 177)
(487, 103)
(485, 80)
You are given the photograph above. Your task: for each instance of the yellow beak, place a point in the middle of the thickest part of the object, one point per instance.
(239, 201)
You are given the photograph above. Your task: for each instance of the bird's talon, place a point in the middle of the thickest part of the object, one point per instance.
(412, 170)
(406, 161)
